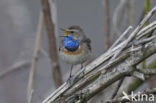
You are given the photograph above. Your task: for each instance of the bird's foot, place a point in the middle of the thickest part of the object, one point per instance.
(83, 71)
(70, 80)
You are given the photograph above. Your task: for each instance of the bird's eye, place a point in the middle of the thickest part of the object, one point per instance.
(72, 32)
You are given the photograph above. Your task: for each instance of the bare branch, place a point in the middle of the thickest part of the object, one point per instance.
(35, 59)
(146, 40)
(106, 24)
(131, 12)
(52, 43)
(122, 36)
(118, 15)
(146, 31)
(16, 66)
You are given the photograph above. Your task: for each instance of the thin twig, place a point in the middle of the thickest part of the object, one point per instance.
(106, 24)
(143, 41)
(118, 40)
(145, 31)
(52, 43)
(126, 32)
(35, 59)
(118, 16)
(131, 12)
(16, 66)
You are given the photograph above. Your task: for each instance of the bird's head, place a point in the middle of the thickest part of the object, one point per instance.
(76, 32)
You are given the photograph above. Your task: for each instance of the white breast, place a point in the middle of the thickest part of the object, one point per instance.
(76, 58)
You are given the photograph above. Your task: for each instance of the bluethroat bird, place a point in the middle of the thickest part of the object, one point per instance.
(75, 47)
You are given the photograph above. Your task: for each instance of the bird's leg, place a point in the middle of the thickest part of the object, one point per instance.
(83, 74)
(69, 79)
(71, 71)
(82, 68)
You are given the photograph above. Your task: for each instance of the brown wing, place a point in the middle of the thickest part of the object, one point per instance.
(87, 41)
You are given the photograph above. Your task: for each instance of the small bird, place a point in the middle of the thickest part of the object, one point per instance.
(75, 47)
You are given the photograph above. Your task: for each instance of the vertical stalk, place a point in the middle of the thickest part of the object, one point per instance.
(52, 42)
(106, 24)
(35, 59)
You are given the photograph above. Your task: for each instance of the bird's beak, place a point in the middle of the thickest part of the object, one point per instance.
(66, 32)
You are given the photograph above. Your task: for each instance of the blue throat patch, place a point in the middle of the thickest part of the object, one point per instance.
(70, 44)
